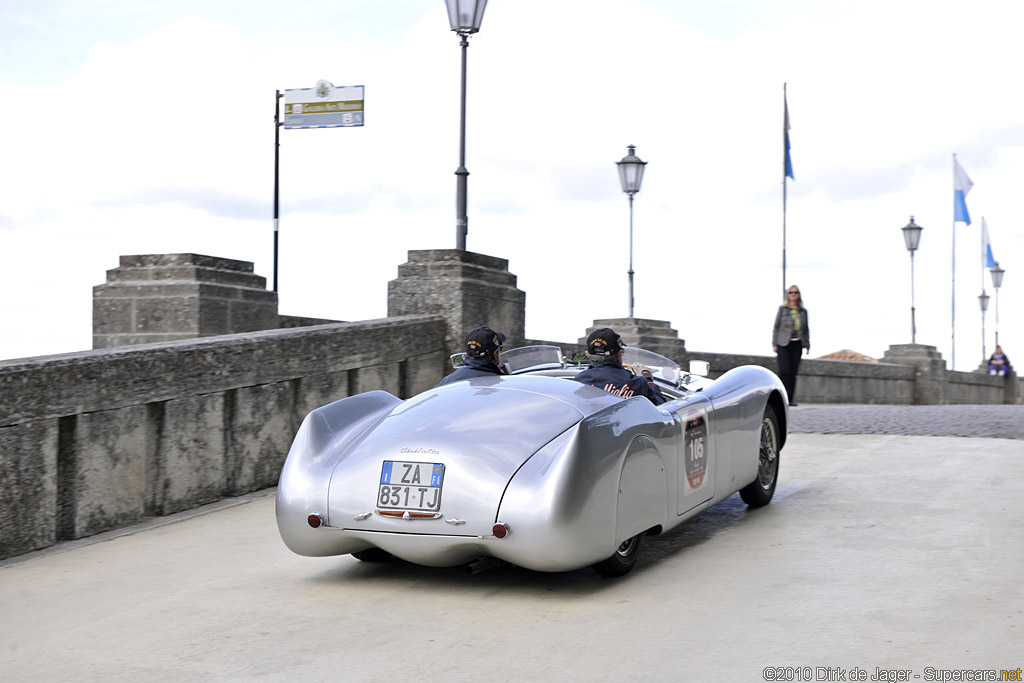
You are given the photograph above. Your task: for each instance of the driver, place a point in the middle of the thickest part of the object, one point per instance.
(482, 348)
(604, 349)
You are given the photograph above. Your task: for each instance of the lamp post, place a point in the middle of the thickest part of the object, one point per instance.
(983, 300)
(631, 173)
(912, 237)
(465, 17)
(997, 282)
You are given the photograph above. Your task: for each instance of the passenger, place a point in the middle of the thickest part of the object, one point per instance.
(604, 349)
(482, 348)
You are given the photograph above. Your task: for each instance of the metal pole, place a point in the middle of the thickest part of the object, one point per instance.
(630, 254)
(952, 313)
(461, 220)
(783, 225)
(984, 353)
(277, 166)
(997, 314)
(785, 132)
(913, 319)
(981, 239)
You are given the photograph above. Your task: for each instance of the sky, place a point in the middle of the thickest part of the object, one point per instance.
(146, 128)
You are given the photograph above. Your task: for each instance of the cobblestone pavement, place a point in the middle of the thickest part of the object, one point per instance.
(980, 421)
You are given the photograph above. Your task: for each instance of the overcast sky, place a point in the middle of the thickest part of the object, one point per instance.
(146, 127)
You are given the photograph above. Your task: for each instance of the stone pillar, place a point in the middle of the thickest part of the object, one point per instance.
(652, 335)
(166, 297)
(930, 378)
(465, 288)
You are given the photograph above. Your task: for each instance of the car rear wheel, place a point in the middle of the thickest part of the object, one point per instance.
(372, 555)
(760, 491)
(622, 560)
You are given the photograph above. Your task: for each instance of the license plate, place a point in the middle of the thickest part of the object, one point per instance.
(410, 485)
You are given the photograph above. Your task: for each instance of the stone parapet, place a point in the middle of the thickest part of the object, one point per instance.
(292, 321)
(95, 440)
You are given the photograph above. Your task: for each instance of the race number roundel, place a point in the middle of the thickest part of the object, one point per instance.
(695, 453)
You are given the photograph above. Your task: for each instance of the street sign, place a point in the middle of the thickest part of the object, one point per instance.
(324, 106)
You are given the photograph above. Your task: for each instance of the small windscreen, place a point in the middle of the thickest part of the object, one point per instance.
(526, 357)
(660, 367)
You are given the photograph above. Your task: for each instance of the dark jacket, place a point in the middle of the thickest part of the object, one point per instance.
(782, 332)
(472, 367)
(617, 380)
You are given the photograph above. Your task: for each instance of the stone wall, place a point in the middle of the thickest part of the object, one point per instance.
(100, 439)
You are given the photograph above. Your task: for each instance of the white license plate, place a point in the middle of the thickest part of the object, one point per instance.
(410, 485)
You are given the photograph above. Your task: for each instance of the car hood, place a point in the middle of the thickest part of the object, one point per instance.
(481, 430)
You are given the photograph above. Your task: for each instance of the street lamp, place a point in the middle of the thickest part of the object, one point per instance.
(997, 282)
(631, 173)
(912, 237)
(465, 17)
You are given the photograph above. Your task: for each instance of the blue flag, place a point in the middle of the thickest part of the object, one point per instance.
(785, 136)
(962, 184)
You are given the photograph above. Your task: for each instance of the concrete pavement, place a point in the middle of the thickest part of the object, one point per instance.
(879, 552)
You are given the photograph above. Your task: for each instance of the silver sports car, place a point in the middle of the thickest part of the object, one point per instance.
(531, 468)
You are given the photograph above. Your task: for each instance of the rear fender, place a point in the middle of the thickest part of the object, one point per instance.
(325, 437)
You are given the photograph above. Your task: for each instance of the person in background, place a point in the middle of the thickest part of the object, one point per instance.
(483, 345)
(604, 350)
(791, 337)
(998, 363)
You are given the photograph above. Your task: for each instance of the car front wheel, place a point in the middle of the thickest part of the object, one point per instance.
(760, 491)
(622, 560)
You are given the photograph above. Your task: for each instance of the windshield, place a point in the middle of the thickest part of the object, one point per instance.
(543, 357)
(660, 367)
(537, 357)
(531, 357)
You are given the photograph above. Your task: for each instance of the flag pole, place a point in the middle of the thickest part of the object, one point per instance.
(785, 173)
(952, 362)
(984, 236)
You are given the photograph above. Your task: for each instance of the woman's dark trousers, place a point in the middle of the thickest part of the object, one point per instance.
(789, 362)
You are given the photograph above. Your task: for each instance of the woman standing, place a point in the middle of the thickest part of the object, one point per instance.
(790, 337)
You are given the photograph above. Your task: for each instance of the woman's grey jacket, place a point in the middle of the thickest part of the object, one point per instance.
(782, 333)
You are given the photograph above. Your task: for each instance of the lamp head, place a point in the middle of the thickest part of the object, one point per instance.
(631, 171)
(912, 235)
(465, 15)
(997, 276)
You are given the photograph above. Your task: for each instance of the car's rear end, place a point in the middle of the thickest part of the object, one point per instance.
(423, 479)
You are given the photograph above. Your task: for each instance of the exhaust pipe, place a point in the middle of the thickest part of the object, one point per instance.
(482, 565)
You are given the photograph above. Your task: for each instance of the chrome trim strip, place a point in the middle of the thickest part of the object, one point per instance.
(406, 515)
